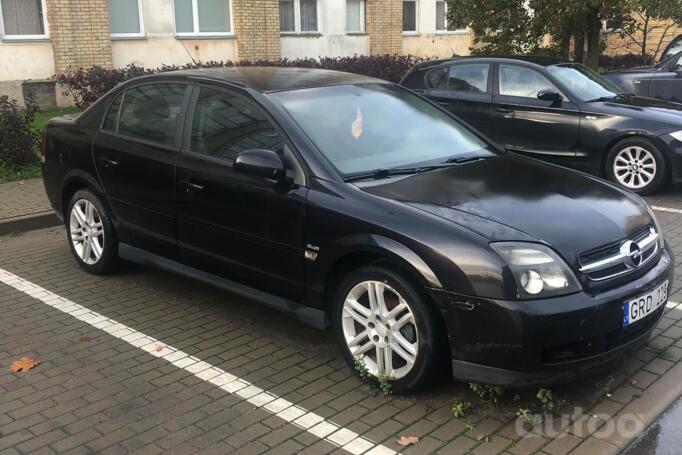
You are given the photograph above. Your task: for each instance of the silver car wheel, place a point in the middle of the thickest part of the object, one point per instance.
(87, 231)
(379, 328)
(634, 167)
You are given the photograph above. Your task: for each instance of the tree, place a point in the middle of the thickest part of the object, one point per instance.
(522, 26)
(650, 18)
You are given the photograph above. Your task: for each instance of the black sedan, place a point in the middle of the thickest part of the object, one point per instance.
(564, 113)
(352, 202)
(663, 81)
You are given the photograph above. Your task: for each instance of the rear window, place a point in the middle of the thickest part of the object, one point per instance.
(151, 112)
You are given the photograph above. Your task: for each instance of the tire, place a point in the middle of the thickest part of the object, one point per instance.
(637, 165)
(90, 233)
(421, 330)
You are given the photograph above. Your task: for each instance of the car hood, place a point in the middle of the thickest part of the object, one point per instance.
(666, 113)
(568, 210)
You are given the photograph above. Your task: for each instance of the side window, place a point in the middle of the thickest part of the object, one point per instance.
(437, 79)
(151, 112)
(523, 82)
(111, 119)
(226, 123)
(469, 78)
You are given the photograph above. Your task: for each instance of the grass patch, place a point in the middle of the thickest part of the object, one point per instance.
(33, 170)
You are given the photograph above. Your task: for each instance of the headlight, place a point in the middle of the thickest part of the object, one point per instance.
(661, 240)
(539, 272)
(677, 135)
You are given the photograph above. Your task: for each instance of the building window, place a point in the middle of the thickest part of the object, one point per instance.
(22, 19)
(442, 24)
(125, 18)
(203, 18)
(298, 16)
(355, 16)
(410, 16)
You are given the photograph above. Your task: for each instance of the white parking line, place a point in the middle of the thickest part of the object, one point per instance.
(665, 209)
(309, 421)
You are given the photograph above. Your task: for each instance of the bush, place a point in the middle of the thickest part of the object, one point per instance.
(87, 85)
(624, 61)
(17, 138)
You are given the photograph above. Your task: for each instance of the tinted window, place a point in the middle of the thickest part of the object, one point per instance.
(112, 116)
(437, 79)
(226, 123)
(151, 112)
(523, 82)
(365, 127)
(469, 78)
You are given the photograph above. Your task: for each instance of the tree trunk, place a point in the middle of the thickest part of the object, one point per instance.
(579, 47)
(593, 40)
(645, 35)
(565, 45)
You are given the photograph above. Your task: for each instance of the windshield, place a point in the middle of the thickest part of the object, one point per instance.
(362, 128)
(583, 82)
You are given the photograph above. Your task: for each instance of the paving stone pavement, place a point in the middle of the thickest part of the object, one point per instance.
(22, 198)
(95, 393)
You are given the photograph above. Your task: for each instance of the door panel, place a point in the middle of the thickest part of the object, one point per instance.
(138, 173)
(667, 83)
(242, 227)
(523, 123)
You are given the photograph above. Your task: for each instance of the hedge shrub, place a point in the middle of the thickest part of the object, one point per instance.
(88, 85)
(17, 139)
(617, 62)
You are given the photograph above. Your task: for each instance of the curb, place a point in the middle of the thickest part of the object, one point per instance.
(29, 222)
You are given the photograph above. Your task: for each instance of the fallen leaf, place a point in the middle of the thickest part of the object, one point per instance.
(24, 364)
(159, 348)
(408, 440)
(84, 339)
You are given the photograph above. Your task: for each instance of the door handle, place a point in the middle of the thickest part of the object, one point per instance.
(504, 110)
(444, 103)
(192, 187)
(108, 162)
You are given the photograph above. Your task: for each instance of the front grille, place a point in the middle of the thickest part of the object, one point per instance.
(621, 257)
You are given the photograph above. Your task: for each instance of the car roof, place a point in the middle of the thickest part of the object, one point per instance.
(533, 59)
(272, 79)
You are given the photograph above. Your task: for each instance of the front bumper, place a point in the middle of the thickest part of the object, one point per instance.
(549, 341)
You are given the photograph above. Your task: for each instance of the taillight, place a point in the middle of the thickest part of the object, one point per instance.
(43, 140)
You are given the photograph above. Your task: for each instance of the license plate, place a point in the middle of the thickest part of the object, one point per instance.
(642, 306)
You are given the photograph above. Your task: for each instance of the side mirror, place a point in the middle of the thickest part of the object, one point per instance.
(260, 162)
(549, 95)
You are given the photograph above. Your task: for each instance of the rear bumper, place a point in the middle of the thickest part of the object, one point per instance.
(550, 341)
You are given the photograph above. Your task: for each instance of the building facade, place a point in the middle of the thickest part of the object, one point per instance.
(41, 38)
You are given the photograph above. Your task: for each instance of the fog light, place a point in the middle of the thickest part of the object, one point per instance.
(532, 282)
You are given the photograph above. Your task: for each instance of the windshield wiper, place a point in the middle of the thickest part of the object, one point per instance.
(614, 97)
(390, 172)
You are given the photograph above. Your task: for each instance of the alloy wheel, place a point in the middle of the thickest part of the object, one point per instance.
(87, 231)
(634, 167)
(379, 328)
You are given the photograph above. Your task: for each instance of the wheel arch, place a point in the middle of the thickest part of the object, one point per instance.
(370, 249)
(74, 181)
(622, 137)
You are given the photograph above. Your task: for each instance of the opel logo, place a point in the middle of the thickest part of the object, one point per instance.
(632, 253)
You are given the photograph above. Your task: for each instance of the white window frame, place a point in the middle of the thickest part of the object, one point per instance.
(457, 31)
(141, 33)
(195, 24)
(297, 21)
(363, 19)
(43, 37)
(416, 19)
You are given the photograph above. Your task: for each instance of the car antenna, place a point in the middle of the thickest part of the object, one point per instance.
(188, 52)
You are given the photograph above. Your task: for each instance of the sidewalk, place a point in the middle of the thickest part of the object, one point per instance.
(24, 206)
